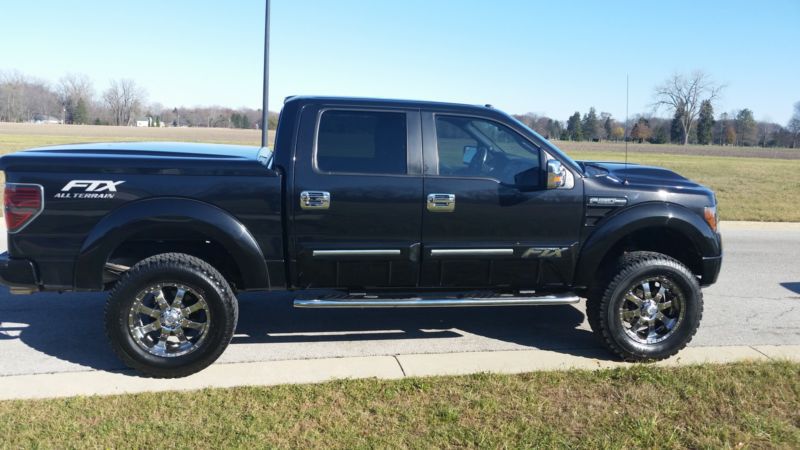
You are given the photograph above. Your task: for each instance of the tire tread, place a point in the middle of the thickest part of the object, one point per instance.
(599, 298)
(158, 263)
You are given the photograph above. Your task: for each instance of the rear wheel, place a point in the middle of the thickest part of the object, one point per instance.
(170, 315)
(649, 310)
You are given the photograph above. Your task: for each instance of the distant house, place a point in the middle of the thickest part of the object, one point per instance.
(144, 122)
(43, 119)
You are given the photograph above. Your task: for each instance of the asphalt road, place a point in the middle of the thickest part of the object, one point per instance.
(755, 302)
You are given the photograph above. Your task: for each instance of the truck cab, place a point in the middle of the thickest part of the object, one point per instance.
(398, 195)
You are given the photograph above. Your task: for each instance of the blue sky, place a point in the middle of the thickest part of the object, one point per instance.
(546, 57)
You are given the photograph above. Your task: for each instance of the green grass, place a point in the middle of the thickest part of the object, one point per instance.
(748, 188)
(711, 406)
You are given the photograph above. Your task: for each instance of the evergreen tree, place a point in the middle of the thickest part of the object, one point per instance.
(660, 135)
(746, 127)
(591, 126)
(574, 130)
(245, 121)
(608, 126)
(705, 123)
(676, 131)
(80, 115)
(554, 129)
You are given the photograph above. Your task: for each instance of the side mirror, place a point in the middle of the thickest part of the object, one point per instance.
(556, 177)
(469, 153)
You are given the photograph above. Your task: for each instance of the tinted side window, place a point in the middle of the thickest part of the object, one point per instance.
(474, 147)
(362, 142)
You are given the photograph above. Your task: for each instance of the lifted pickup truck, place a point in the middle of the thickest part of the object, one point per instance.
(376, 203)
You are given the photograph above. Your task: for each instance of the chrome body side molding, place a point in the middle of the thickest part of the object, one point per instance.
(367, 252)
(472, 251)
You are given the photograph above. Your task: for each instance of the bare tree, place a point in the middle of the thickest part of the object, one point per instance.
(685, 93)
(794, 125)
(76, 86)
(24, 99)
(11, 96)
(124, 100)
(76, 94)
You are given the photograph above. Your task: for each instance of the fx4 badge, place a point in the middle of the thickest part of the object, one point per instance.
(543, 252)
(89, 189)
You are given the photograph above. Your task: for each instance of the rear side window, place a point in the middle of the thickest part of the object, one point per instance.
(362, 142)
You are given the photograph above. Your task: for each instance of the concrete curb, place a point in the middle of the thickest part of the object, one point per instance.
(382, 367)
(754, 226)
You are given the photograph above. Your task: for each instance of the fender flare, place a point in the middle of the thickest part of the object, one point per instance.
(646, 215)
(155, 213)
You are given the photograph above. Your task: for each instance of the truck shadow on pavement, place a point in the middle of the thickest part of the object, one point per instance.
(548, 327)
(70, 327)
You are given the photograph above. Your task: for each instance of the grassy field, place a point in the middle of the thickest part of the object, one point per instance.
(751, 183)
(750, 405)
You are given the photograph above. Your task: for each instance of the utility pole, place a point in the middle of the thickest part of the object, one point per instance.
(265, 103)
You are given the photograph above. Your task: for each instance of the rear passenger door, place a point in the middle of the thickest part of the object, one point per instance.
(356, 198)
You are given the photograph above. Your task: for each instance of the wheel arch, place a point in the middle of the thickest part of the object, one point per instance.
(170, 221)
(662, 227)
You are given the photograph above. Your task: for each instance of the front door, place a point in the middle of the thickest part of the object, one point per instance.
(489, 220)
(357, 199)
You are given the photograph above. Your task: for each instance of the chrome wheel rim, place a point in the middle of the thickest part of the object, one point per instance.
(652, 310)
(169, 319)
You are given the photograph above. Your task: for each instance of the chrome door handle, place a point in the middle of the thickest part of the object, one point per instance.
(441, 202)
(315, 200)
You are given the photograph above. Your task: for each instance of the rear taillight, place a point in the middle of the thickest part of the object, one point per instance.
(23, 203)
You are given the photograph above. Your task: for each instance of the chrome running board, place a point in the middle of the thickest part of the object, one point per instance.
(422, 302)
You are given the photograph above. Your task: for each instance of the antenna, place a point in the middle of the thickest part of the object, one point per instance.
(627, 102)
(265, 100)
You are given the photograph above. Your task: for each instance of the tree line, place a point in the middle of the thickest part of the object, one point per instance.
(737, 128)
(688, 98)
(74, 100)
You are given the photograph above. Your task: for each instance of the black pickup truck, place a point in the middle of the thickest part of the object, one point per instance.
(372, 204)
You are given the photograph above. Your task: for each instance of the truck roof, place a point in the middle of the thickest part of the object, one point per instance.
(377, 102)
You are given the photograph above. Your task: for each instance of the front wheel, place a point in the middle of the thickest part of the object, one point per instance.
(170, 315)
(649, 310)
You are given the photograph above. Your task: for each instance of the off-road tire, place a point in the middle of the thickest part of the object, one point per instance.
(604, 299)
(174, 268)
